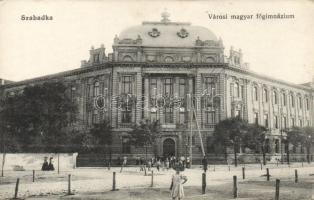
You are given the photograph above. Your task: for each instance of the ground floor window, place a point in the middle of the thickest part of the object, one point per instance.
(276, 146)
(126, 145)
(210, 145)
(126, 116)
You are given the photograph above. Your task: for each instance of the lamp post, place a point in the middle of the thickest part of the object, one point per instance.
(264, 151)
(3, 149)
(288, 153)
(3, 152)
(308, 149)
(235, 151)
(281, 146)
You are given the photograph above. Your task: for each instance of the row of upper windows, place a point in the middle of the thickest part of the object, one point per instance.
(283, 121)
(275, 98)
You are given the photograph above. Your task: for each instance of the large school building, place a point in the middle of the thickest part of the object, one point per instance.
(154, 71)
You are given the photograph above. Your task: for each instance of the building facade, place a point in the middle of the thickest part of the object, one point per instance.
(159, 71)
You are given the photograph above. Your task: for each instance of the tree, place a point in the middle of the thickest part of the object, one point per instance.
(308, 136)
(38, 116)
(145, 134)
(231, 131)
(99, 138)
(298, 135)
(237, 132)
(255, 139)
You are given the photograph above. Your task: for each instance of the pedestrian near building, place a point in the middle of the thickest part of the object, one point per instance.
(158, 164)
(45, 164)
(188, 162)
(176, 187)
(50, 165)
(125, 159)
(167, 163)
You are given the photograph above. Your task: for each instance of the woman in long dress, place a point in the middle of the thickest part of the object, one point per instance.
(176, 187)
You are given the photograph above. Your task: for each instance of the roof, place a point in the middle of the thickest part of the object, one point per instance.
(169, 34)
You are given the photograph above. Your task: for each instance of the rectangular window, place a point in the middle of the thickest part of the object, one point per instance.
(182, 88)
(275, 121)
(284, 122)
(153, 116)
(72, 92)
(242, 91)
(292, 122)
(168, 87)
(126, 146)
(153, 87)
(300, 122)
(168, 115)
(127, 84)
(237, 113)
(182, 117)
(210, 85)
(210, 118)
(256, 118)
(126, 116)
(266, 120)
(96, 89)
(237, 89)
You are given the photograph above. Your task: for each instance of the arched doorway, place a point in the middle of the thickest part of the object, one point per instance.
(169, 147)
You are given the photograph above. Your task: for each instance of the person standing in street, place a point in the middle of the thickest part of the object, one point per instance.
(176, 187)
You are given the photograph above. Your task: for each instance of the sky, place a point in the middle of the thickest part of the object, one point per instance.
(282, 49)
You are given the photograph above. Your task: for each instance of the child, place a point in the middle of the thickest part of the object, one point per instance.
(176, 187)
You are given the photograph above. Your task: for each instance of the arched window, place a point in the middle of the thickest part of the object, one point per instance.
(209, 60)
(300, 102)
(265, 95)
(307, 104)
(237, 89)
(127, 59)
(126, 145)
(169, 59)
(96, 89)
(275, 97)
(255, 93)
(292, 100)
(284, 99)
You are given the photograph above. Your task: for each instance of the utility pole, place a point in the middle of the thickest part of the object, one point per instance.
(191, 133)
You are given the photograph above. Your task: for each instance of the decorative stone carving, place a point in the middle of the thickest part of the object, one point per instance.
(183, 33)
(154, 33)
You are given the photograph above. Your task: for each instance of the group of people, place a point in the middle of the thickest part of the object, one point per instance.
(179, 164)
(166, 162)
(47, 166)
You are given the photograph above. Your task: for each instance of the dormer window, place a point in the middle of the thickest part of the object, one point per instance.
(169, 59)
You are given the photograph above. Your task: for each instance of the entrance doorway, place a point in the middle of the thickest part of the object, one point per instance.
(169, 147)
